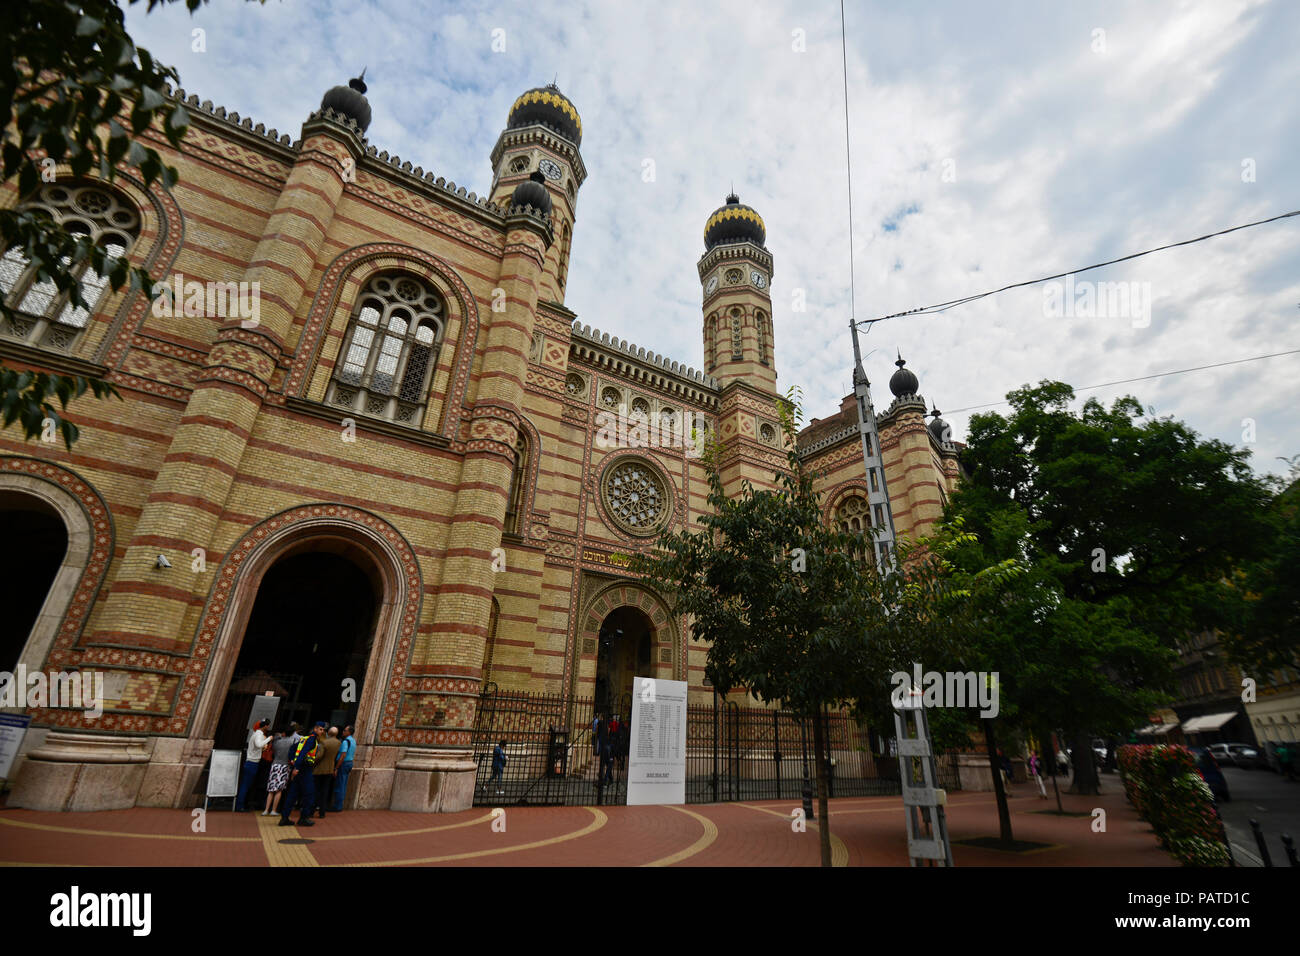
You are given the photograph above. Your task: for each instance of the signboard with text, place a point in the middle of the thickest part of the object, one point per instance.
(12, 729)
(656, 761)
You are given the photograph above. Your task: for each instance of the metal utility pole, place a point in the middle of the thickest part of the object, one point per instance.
(882, 517)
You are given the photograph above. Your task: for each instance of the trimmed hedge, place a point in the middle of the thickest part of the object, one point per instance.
(1163, 784)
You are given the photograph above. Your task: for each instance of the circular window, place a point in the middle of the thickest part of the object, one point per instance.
(641, 406)
(574, 384)
(636, 497)
(610, 398)
(733, 276)
(519, 164)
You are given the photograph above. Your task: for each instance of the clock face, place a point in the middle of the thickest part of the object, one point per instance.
(712, 284)
(550, 170)
(758, 279)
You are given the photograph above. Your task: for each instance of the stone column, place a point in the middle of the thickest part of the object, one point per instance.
(443, 780)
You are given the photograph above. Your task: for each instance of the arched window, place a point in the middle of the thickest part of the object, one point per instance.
(390, 351)
(710, 343)
(737, 337)
(764, 345)
(564, 255)
(489, 646)
(515, 506)
(853, 515)
(48, 318)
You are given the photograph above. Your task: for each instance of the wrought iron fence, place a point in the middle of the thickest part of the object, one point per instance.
(551, 755)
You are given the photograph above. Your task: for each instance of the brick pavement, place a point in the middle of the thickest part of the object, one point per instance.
(866, 831)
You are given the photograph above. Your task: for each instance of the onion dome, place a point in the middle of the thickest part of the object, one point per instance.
(734, 222)
(548, 106)
(533, 192)
(350, 101)
(939, 428)
(903, 382)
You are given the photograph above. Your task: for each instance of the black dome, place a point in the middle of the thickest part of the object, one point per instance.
(548, 106)
(939, 428)
(349, 100)
(903, 382)
(533, 192)
(734, 222)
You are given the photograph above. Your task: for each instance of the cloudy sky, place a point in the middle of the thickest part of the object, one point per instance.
(991, 143)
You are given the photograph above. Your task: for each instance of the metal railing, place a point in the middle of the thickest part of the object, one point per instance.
(732, 753)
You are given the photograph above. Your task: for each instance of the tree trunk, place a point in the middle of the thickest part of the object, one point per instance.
(819, 764)
(1085, 771)
(1049, 749)
(1004, 814)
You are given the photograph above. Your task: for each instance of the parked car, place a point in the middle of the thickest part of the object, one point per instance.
(1221, 752)
(1246, 756)
(1209, 770)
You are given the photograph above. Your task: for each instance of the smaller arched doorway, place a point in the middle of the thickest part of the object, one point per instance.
(623, 653)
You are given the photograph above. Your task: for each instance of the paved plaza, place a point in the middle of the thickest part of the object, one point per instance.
(866, 831)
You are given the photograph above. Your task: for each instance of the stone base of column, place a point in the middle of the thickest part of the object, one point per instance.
(434, 781)
(173, 773)
(82, 772)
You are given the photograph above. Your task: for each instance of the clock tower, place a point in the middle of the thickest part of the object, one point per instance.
(736, 273)
(540, 143)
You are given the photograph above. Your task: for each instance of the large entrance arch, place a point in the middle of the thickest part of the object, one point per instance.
(366, 542)
(623, 653)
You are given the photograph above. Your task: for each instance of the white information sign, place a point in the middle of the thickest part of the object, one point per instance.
(656, 762)
(223, 774)
(12, 729)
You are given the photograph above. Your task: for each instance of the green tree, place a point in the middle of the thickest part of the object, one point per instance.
(76, 90)
(1131, 526)
(797, 612)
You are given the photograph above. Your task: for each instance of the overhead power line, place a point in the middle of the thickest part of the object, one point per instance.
(1142, 378)
(944, 306)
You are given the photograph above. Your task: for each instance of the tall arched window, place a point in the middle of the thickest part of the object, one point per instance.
(390, 351)
(515, 506)
(737, 337)
(710, 343)
(764, 344)
(47, 317)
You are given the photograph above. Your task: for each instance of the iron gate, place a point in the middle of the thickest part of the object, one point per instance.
(732, 753)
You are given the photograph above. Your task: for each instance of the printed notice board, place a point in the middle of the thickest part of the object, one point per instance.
(656, 762)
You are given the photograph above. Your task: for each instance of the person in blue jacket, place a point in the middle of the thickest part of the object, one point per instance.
(499, 759)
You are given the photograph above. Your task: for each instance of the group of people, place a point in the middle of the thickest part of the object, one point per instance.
(305, 771)
(610, 741)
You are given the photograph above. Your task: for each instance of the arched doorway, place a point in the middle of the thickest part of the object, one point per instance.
(38, 544)
(623, 652)
(308, 639)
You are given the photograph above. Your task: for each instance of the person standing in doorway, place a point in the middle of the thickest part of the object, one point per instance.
(324, 771)
(257, 741)
(300, 777)
(278, 780)
(343, 767)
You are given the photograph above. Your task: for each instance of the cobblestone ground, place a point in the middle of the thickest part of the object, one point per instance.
(865, 831)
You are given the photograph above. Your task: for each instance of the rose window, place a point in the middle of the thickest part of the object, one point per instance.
(636, 497)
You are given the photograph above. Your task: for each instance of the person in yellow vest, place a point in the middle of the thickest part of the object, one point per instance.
(300, 777)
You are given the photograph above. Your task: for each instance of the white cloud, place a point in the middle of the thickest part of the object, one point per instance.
(1063, 156)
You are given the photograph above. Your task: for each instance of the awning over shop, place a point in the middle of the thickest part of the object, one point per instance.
(1156, 729)
(1201, 725)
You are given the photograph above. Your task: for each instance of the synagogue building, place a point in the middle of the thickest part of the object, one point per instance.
(363, 458)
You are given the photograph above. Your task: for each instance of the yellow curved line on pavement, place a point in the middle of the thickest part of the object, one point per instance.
(117, 833)
(598, 821)
(839, 851)
(710, 834)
